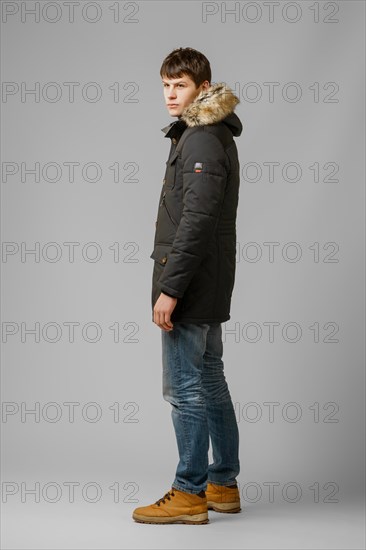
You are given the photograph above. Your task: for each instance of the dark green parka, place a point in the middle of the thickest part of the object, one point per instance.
(195, 238)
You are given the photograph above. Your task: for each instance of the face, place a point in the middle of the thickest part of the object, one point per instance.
(180, 92)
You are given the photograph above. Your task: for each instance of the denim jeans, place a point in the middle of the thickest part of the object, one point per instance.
(194, 384)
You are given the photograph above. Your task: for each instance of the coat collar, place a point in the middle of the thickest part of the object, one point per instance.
(174, 129)
(210, 106)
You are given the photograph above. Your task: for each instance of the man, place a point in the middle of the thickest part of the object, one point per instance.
(193, 278)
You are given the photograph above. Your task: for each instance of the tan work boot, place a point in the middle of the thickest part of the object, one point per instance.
(223, 498)
(175, 507)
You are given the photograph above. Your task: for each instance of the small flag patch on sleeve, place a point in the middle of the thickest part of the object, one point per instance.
(198, 167)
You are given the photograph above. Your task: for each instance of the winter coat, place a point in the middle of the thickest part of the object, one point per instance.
(195, 231)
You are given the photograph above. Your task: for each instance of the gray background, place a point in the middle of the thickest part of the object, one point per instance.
(137, 451)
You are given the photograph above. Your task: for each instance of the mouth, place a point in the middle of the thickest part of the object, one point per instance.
(172, 105)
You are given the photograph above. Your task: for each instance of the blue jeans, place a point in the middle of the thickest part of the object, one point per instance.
(194, 383)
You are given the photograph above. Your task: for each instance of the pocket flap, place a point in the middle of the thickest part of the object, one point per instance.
(173, 158)
(161, 253)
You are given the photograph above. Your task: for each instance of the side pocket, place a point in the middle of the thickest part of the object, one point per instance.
(160, 256)
(161, 253)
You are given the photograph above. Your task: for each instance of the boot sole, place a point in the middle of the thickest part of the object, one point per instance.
(224, 507)
(196, 519)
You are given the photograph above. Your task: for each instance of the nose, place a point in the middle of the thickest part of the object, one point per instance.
(171, 93)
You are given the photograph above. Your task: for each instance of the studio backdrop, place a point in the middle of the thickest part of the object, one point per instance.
(86, 433)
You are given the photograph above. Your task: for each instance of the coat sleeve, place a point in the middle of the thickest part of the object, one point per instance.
(203, 195)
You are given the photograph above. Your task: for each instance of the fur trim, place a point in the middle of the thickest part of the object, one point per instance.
(210, 106)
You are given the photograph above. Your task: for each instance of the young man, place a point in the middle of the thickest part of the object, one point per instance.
(193, 278)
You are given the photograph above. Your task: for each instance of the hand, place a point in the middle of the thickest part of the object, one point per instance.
(163, 309)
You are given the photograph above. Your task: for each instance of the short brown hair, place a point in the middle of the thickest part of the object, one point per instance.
(187, 61)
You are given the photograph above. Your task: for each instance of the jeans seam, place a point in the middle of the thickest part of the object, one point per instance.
(177, 360)
(185, 490)
(223, 484)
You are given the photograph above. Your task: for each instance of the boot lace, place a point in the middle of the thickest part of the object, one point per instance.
(166, 496)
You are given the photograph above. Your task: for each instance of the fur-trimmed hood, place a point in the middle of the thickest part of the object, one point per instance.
(213, 105)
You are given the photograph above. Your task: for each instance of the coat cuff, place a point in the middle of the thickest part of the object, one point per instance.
(170, 292)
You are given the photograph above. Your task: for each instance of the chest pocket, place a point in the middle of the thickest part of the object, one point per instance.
(170, 172)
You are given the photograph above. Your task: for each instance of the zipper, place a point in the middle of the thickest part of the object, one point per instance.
(166, 208)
